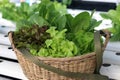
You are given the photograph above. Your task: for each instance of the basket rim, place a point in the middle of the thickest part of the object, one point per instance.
(81, 57)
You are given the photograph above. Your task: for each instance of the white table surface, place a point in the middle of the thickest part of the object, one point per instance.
(11, 69)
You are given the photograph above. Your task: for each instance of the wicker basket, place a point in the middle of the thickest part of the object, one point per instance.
(84, 64)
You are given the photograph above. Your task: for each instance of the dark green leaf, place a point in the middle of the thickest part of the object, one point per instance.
(81, 21)
(94, 23)
(105, 15)
(69, 22)
(38, 20)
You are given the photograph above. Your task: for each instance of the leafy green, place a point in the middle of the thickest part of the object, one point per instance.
(114, 16)
(70, 36)
(36, 19)
(34, 36)
(67, 2)
(81, 21)
(44, 13)
(18, 14)
(53, 13)
(57, 45)
(84, 40)
(93, 23)
(6, 8)
(80, 31)
(60, 7)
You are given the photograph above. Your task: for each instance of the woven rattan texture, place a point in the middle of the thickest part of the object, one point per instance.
(84, 64)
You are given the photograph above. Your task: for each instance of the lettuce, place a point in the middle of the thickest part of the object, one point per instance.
(114, 16)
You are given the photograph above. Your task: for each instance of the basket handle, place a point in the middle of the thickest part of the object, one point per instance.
(107, 35)
(99, 49)
(36, 61)
(86, 76)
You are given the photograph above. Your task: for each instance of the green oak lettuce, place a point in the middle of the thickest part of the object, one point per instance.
(57, 45)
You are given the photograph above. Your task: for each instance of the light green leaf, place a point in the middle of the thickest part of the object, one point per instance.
(36, 19)
(48, 42)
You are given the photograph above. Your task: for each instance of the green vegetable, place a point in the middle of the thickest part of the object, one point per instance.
(6, 8)
(67, 2)
(70, 36)
(57, 46)
(53, 13)
(33, 37)
(18, 14)
(114, 16)
(80, 31)
(44, 13)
